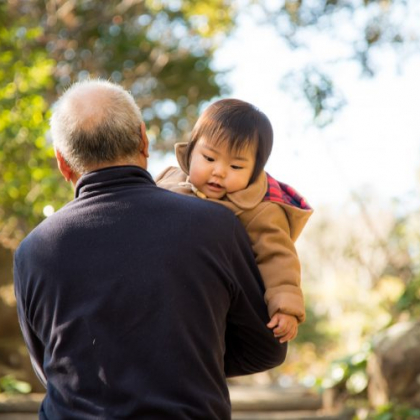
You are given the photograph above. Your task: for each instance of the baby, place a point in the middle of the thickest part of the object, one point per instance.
(224, 162)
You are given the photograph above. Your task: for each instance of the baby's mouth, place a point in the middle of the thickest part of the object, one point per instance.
(214, 186)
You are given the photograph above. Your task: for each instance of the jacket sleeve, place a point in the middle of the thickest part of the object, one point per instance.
(277, 260)
(250, 344)
(34, 345)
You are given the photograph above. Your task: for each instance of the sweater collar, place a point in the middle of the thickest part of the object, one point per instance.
(105, 178)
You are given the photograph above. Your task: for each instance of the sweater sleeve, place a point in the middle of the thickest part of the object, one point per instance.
(277, 260)
(250, 344)
(34, 345)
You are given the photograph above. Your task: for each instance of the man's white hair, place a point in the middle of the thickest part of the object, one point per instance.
(94, 122)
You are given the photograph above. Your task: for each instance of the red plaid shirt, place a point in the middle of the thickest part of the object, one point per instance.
(279, 192)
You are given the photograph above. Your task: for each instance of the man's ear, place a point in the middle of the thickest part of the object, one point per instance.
(145, 140)
(64, 167)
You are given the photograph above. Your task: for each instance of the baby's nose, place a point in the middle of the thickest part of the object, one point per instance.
(219, 170)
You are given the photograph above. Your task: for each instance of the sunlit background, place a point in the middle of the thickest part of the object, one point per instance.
(372, 146)
(358, 165)
(339, 80)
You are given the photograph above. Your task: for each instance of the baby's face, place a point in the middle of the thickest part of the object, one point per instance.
(216, 171)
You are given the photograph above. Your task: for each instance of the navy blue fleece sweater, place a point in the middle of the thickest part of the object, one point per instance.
(136, 303)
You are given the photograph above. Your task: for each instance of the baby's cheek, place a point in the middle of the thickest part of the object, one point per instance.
(195, 178)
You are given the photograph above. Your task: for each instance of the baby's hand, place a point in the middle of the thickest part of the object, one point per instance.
(284, 326)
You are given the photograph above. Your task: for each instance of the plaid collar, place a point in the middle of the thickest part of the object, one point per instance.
(279, 192)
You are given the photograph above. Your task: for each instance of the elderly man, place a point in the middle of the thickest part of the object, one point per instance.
(135, 302)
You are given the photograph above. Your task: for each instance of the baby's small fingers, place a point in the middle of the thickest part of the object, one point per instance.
(289, 336)
(280, 332)
(286, 338)
(282, 329)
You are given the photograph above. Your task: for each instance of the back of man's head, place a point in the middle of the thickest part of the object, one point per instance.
(96, 122)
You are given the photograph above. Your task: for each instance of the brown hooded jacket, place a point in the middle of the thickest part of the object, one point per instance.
(273, 228)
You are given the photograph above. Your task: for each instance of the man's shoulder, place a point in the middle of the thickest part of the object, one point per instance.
(208, 221)
(42, 234)
(198, 206)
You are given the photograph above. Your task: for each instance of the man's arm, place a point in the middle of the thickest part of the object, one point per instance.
(32, 342)
(250, 344)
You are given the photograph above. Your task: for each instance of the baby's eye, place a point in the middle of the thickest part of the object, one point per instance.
(236, 167)
(208, 158)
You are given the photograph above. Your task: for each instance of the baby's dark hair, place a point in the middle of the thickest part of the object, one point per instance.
(239, 124)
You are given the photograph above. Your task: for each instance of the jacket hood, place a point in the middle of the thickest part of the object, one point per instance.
(181, 156)
(264, 188)
(297, 209)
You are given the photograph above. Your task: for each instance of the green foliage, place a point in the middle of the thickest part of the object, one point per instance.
(404, 244)
(10, 385)
(314, 330)
(359, 30)
(378, 25)
(409, 301)
(394, 412)
(319, 90)
(29, 180)
(159, 49)
(349, 373)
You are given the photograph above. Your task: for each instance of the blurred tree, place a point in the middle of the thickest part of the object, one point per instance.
(405, 240)
(28, 181)
(160, 50)
(350, 30)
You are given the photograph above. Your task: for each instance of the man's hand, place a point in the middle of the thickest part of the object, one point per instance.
(284, 326)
